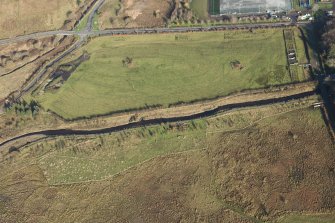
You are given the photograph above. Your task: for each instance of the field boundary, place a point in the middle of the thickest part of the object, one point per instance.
(245, 92)
(160, 120)
(291, 49)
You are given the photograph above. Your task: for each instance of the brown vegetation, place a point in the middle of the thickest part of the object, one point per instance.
(279, 165)
(14, 56)
(26, 16)
(135, 13)
(45, 120)
(16, 78)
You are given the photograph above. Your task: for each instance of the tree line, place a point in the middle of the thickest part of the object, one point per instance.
(22, 107)
(325, 30)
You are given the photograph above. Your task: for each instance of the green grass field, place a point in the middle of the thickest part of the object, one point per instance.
(200, 8)
(168, 69)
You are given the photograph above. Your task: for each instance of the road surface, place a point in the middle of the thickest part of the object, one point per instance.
(40, 74)
(133, 31)
(94, 10)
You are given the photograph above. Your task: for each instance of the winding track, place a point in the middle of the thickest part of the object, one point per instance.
(71, 132)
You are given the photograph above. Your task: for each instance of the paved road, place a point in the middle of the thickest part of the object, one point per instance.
(94, 10)
(189, 29)
(41, 73)
(36, 35)
(89, 32)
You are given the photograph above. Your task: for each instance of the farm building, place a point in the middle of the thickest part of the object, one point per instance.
(253, 6)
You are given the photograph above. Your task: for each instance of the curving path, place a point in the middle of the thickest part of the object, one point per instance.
(94, 10)
(69, 132)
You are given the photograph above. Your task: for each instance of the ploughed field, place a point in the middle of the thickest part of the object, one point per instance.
(135, 72)
(270, 164)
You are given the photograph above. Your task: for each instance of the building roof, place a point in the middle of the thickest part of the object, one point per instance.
(253, 6)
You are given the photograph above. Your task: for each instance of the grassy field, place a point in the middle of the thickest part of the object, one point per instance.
(167, 69)
(244, 166)
(321, 218)
(26, 16)
(301, 54)
(200, 8)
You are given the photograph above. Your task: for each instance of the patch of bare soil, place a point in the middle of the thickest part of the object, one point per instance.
(135, 13)
(282, 164)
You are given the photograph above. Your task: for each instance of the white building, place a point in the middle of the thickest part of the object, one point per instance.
(253, 6)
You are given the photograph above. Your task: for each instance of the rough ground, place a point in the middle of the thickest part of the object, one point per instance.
(280, 164)
(21, 17)
(135, 13)
(35, 53)
(14, 56)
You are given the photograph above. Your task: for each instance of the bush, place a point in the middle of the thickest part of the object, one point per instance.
(13, 149)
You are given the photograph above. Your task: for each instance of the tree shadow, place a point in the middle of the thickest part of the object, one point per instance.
(328, 111)
(318, 71)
